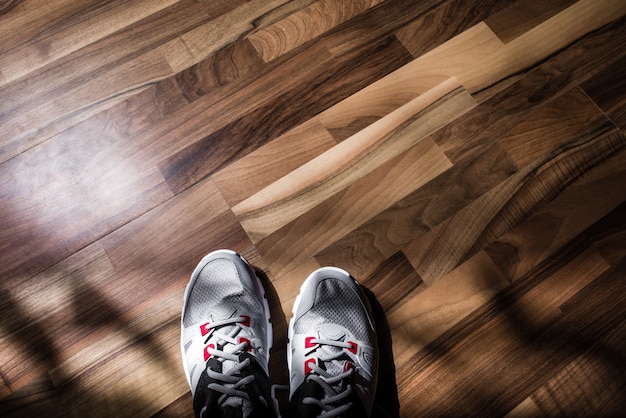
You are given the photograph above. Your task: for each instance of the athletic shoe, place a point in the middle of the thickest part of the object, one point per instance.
(332, 351)
(226, 338)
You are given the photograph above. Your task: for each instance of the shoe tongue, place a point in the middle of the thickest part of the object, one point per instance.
(223, 311)
(332, 332)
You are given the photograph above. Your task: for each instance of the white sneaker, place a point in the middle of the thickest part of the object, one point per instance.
(226, 338)
(332, 351)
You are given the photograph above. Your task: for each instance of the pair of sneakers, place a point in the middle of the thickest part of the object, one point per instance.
(227, 336)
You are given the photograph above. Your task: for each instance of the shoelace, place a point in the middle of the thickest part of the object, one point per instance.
(334, 390)
(231, 380)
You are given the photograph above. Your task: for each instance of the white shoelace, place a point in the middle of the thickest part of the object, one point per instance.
(231, 348)
(332, 385)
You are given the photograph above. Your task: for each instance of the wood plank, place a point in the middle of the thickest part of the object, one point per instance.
(393, 280)
(51, 305)
(522, 16)
(25, 20)
(446, 20)
(82, 30)
(312, 183)
(417, 77)
(305, 25)
(610, 239)
(518, 331)
(230, 102)
(22, 120)
(375, 23)
(107, 376)
(419, 212)
(90, 74)
(550, 227)
(487, 218)
(38, 398)
(308, 98)
(368, 104)
(299, 240)
(260, 168)
(608, 90)
(199, 43)
(421, 318)
(594, 380)
(497, 115)
(570, 116)
(164, 240)
(542, 41)
(225, 66)
(90, 164)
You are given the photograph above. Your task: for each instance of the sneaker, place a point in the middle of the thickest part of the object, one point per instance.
(226, 338)
(332, 351)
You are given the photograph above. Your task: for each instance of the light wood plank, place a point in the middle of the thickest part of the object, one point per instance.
(417, 77)
(299, 240)
(262, 167)
(302, 189)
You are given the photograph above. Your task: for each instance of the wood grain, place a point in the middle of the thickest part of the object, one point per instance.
(305, 25)
(463, 159)
(349, 160)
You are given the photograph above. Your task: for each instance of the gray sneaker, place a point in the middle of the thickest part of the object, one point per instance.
(332, 351)
(226, 338)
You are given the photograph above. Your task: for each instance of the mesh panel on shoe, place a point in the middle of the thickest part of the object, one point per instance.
(218, 282)
(335, 303)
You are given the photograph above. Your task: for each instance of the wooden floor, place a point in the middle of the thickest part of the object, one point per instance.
(464, 159)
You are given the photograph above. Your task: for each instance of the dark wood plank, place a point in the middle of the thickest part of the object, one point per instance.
(570, 116)
(305, 25)
(305, 100)
(496, 116)
(392, 280)
(551, 226)
(234, 61)
(426, 31)
(523, 15)
(608, 89)
(365, 247)
(38, 398)
(518, 331)
(594, 382)
(497, 211)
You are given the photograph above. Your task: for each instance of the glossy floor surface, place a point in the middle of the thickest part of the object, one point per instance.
(463, 159)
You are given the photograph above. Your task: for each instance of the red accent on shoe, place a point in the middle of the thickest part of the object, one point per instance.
(348, 365)
(247, 341)
(205, 328)
(307, 365)
(246, 320)
(206, 351)
(308, 342)
(354, 347)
